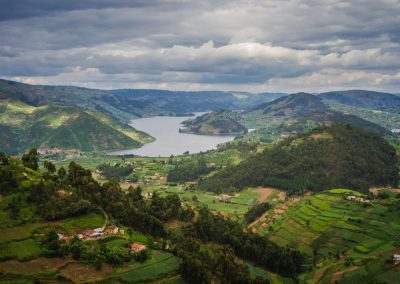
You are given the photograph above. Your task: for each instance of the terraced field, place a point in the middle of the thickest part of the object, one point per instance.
(347, 240)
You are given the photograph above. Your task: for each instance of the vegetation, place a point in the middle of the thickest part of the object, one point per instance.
(214, 123)
(365, 99)
(116, 172)
(189, 170)
(346, 241)
(53, 126)
(256, 211)
(325, 158)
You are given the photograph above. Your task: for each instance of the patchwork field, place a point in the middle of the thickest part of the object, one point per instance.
(348, 240)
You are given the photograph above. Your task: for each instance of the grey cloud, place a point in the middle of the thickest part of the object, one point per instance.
(254, 42)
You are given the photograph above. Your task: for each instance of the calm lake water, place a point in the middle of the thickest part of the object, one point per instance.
(168, 139)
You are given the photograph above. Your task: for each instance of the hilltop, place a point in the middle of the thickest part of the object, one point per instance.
(53, 126)
(298, 113)
(214, 123)
(325, 158)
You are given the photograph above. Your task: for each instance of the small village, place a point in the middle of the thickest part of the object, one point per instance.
(97, 233)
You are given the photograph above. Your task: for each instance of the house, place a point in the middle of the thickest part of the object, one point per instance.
(136, 247)
(396, 258)
(93, 233)
(111, 230)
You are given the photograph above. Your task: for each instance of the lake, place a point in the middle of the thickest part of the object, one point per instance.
(169, 141)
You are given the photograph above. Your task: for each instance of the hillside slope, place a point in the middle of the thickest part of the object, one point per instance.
(214, 123)
(346, 241)
(298, 113)
(365, 99)
(126, 104)
(23, 126)
(325, 158)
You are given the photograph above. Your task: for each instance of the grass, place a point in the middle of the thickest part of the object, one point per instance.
(77, 224)
(17, 233)
(117, 243)
(161, 263)
(21, 250)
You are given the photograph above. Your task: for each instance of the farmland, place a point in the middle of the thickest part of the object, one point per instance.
(346, 240)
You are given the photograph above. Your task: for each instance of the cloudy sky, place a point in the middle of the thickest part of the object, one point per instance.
(256, 46)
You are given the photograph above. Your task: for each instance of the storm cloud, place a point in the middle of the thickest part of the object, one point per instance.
(257, 46)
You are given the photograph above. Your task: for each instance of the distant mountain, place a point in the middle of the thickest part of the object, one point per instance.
(365, 99)
(338, 156)
(214, 123)
(299, 104)
(126, 104)
(298, 113)
(23, 126)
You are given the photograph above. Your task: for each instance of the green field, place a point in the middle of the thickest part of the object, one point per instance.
(21, 250)
(161, 263)
(345, 239)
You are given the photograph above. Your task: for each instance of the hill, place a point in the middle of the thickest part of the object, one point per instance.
(365, 99)
(300, 104)
(325, 158)
(214, 123)
(346, 241)
(298, 113)
(53, 126)
(125, 104)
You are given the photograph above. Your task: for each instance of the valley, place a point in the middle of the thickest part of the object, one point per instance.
(309, 196)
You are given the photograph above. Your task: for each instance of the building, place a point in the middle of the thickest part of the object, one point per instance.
(396, 258)
(111, 230)
(93, 233)
(351, 197)
(136, 247)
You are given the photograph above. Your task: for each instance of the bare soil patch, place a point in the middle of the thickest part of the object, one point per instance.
(265, 193)
(282, 196)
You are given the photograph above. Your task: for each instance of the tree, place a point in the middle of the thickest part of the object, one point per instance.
(30, 159)
(62, 173)
(50, 167)
(3, 159)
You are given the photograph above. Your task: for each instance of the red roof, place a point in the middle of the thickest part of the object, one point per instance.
(137, 246)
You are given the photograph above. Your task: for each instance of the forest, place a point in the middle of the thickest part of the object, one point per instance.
(324, 158)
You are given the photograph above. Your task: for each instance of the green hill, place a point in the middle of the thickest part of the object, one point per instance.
(214, 123)
(298, 113)
(346, 241)
(365, 99)
(125, 104)
(23, 126)
(325, 158)
(300, 104)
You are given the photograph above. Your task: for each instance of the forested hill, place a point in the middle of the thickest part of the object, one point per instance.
(214, 123)
(299, 104)
(325, 158)
(365, 99)
(53, 126)
(125, 104)
(298, 113)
